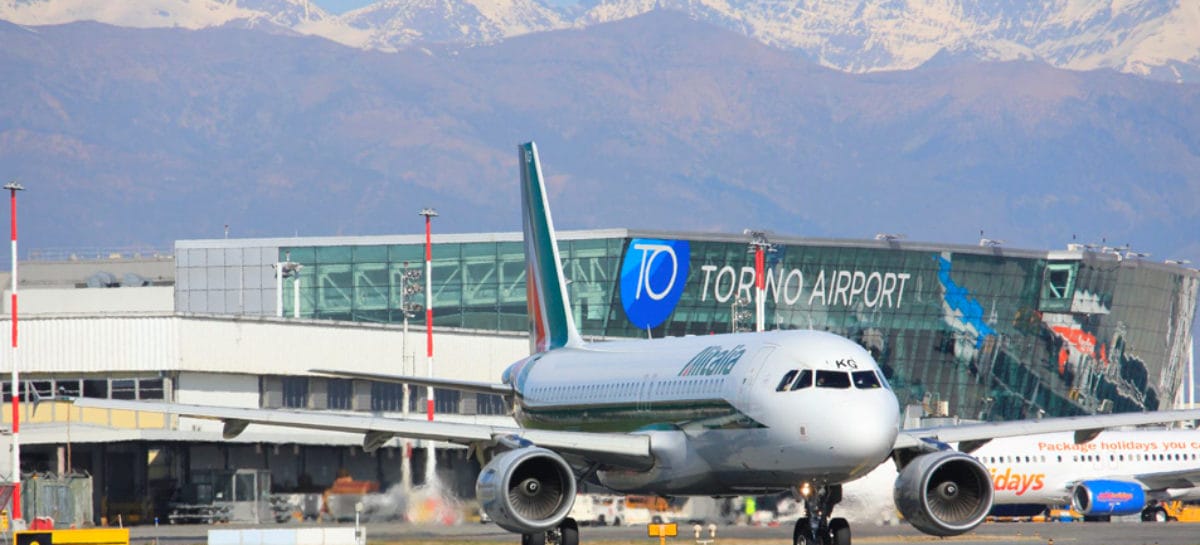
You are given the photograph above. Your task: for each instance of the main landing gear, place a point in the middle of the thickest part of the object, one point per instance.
(817, 528)
(567, 533)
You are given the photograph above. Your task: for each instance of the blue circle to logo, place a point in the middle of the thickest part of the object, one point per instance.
(653, 274)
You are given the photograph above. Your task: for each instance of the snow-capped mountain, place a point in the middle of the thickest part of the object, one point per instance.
(161, 13)
(1157, 38)
(1154, 38)
(397, 23)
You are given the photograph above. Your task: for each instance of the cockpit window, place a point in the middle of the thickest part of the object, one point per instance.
(866, 380)
(804, 381)
(787, 380)
(832, 379)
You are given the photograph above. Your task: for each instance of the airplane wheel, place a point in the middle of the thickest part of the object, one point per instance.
(800, 533)
(840, 529)
(568, 532)
(534, 539)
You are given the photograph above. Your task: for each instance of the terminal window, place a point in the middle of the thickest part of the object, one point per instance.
(1058, 286)
(339, 392)
(295, 392)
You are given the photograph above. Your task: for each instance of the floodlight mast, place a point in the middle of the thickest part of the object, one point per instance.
(408, 286)
(760, 246)
(429, 213)
(15, 391)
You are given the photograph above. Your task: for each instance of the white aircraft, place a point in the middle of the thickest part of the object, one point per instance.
(718, 415)
(1116, 473)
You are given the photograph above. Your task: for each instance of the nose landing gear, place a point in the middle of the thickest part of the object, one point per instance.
(817, 528)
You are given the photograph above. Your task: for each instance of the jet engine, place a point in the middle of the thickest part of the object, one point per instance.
(1105, 498)
(526, 490)
(944, 493)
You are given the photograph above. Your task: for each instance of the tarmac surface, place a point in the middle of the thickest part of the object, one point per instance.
(1049, 533)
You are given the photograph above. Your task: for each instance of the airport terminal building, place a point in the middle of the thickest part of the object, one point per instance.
(995, 332)
(973, 331)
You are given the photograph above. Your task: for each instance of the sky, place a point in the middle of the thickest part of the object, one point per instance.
(341, 6)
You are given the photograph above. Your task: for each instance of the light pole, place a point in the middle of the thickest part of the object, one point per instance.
(287, 269)
(760, 246)
(429, 214)
(13, 188)
(408, 286)
(736, 315)
(408, 309)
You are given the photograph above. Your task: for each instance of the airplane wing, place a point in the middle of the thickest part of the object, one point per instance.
(615, 449)
(1085, 427)
(1184, 478)
(461, 385)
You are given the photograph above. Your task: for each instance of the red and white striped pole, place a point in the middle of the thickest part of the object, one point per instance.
(760, 288)
(13, 188)
(760, 246)
(429, 213)
(430, 455)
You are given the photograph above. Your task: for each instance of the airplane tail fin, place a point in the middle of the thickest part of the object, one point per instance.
(551, 324)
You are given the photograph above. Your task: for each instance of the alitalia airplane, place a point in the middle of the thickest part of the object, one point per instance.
(718, 415)
(1116, 473)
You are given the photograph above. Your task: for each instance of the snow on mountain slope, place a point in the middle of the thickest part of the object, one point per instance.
(395, 23)
(1154, 38)
(159, 13)
(1159, 38)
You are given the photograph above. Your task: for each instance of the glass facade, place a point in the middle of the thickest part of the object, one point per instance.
(993, 333)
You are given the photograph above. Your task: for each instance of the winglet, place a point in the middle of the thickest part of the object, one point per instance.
(551, 324)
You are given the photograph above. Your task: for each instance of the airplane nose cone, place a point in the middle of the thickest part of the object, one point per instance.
(870, 430)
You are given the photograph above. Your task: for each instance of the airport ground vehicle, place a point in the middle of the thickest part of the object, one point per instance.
(605, 509)
(1172, 511)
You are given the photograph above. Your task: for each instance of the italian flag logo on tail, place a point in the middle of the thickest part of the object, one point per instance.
(550, 322)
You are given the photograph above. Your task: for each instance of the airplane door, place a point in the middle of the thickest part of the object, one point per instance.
(746, 398)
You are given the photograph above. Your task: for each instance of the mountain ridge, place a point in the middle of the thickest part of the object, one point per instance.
(1144, 37)
(145, 136)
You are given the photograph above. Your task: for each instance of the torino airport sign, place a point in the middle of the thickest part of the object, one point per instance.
(871, 289)
(654, 273)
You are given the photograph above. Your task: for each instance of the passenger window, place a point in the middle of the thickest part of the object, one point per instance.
(832, 379)
(787, 379)
(866, 380)
(805, 380)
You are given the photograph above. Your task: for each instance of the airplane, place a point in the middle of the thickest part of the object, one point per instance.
(718, 415)
(1120, 472)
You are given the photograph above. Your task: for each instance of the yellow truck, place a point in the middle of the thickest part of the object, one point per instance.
(1180, 511)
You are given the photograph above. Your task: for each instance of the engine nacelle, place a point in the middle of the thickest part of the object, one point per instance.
(1105, 497)
(944, 493)
(526, 490)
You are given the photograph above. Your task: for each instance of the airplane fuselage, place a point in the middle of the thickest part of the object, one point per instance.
(1042, 469)
(725, 412)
